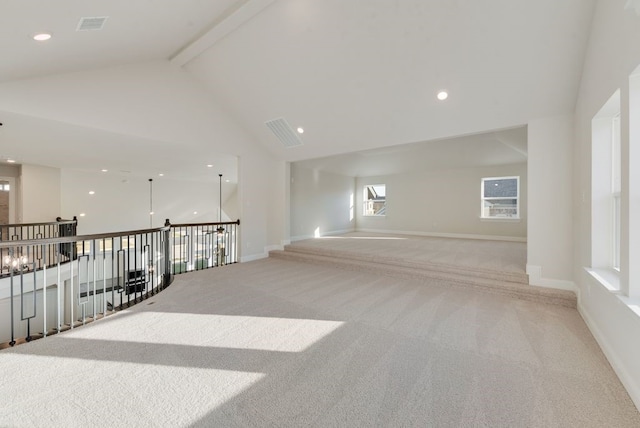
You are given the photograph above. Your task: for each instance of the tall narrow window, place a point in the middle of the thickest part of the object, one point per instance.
(500, 197)
(606, 185)
(374, 200)
(616, 179)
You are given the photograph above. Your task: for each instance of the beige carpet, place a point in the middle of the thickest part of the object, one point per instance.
(501, 256)
(286, 344)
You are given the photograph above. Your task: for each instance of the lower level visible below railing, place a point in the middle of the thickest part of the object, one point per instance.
(78, 279)
(108, 273)
(198, 246)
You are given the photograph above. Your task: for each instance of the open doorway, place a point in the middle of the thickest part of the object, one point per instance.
(7, 200)
(5, 189)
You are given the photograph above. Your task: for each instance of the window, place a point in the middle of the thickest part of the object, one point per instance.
(606, 186)
(500, 197)
(616, 180)
(375, 203)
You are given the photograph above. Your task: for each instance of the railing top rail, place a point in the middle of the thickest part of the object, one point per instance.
(76, 238)
(205, 224)
(41, 223)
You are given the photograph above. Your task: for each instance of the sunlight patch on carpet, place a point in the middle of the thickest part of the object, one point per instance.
(158, 395)
(220, 331)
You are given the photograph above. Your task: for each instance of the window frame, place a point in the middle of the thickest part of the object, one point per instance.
(616, 185)
(367, 206)
(483, 198)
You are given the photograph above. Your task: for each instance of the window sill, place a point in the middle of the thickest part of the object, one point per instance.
(608, 278)
(500, 220)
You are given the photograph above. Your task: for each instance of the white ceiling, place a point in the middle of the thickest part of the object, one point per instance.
(356, 74)
(136, 30)
(63, 145)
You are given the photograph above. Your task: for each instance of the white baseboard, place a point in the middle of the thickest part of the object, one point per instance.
(265, 254)
(330, 233)
(253, 257)
(447, 235)
(630, 383)
(536, 278)
(301, 237)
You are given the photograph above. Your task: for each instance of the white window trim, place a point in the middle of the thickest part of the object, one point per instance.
(365, 200)
(616, 166)
(615, 228)
(605, 194)
(482, 199)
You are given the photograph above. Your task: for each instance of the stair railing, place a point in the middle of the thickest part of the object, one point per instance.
(35, 231)
(198, 246)
(52, 284)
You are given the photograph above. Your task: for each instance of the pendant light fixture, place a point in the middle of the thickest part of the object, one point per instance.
(220, 228)
(151, 203)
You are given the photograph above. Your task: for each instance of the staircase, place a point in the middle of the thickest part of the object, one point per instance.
(506, 283)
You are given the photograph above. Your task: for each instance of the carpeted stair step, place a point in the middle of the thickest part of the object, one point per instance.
(420, 272)
(517, 277)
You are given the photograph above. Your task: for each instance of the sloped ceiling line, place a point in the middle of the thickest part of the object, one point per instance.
(230, 21)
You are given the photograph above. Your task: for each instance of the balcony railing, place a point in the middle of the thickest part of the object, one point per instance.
(58, 283)
(197, 246)
(31, 231)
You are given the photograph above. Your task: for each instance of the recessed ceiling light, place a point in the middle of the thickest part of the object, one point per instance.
(104, 170)
(42, 37)
(226, 181)
(91, 192)
(300, 130)
(161, 175)
(82, 214)
(443, 95)
(11, 161)
(195, 212)
(209, 166)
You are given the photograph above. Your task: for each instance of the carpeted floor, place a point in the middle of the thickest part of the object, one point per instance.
(504, 256)
(288, 344)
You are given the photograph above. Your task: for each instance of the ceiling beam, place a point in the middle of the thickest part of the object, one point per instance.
(231, 20)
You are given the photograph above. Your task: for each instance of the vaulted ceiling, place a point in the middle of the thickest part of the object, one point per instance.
(355, 74)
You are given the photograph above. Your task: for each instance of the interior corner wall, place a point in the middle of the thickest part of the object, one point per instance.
(40, 194)
(550, 234)
(255, 177)
(613, 53)
(443, 202)
(278, 215)
(12, 174)
(321, 203)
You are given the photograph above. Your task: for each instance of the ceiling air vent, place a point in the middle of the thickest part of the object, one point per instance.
(287, 136)
(91, 23)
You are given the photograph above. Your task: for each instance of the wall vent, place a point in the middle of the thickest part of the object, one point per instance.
(91, 23)
(281, 129)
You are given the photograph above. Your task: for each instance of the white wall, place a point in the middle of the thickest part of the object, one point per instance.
(11, 173)
(549, 245)
(442, 202)
(158, 101)
(40, 194)
(280, 196)
(320, 201)
(613, 53)
(122, 203)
